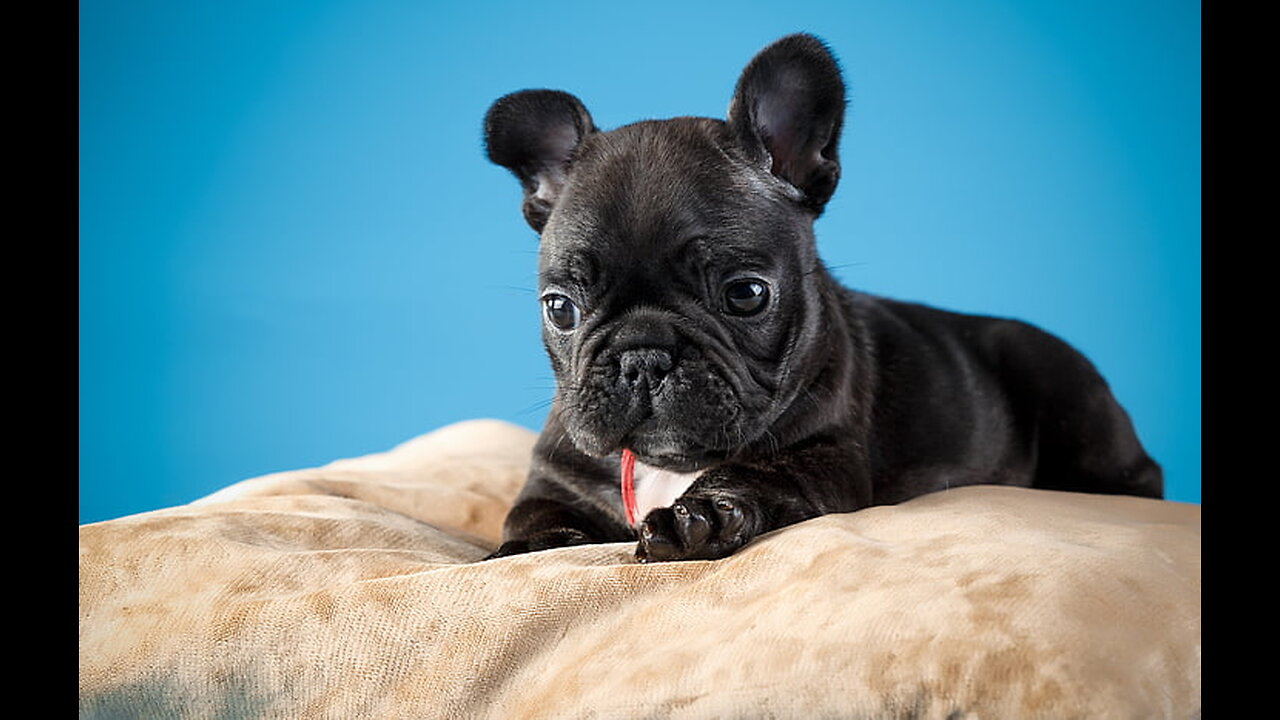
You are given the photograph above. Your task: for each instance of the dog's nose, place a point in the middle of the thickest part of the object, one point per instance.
(643, 365)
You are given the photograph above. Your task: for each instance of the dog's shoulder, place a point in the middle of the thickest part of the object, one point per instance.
(885, 316)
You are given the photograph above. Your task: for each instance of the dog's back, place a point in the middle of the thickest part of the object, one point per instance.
(977, 399)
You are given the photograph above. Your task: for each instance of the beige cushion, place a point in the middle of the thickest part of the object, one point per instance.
(354, 591)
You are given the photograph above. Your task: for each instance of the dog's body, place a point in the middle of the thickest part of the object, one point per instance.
(689, 320)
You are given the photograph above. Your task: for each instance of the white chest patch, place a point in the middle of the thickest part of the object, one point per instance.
(657, 488)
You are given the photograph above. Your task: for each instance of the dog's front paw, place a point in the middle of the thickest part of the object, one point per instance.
(698, 526)
(546, 540)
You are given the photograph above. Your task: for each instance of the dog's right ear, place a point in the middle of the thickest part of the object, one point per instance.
(534, 134)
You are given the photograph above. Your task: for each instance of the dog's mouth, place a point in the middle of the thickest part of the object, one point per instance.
(658, 442)
(674, 461)
(661, 446)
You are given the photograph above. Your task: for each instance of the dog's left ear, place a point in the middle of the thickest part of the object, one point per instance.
(788, 109)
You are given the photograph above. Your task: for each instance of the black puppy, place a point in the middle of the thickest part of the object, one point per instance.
(690, 322)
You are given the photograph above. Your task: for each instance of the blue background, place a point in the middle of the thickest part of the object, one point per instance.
(292, 248)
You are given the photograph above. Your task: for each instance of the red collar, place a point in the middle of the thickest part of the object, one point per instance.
(629, 485)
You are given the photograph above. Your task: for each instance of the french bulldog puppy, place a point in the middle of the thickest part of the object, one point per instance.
(689, 321)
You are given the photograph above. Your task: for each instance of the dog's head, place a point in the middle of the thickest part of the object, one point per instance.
(683, 299)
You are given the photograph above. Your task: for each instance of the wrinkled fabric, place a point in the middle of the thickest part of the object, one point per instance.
(356, 590)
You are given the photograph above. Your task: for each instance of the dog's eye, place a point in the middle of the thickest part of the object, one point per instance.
(746, 297)
(561, 312)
